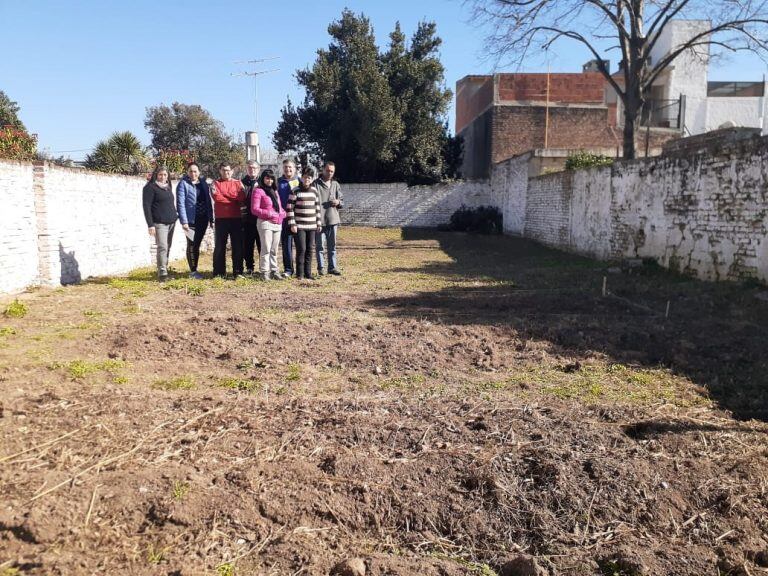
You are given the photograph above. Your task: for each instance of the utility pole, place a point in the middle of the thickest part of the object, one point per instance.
(252, 149)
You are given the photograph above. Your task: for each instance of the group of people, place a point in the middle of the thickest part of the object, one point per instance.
(261, 213)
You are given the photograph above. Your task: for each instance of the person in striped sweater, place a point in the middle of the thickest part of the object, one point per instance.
(303, 215)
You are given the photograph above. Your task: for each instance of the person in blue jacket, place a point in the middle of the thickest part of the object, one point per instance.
(193, 203)
(285, 185)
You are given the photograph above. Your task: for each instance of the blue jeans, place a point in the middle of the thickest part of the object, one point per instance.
(327, 239)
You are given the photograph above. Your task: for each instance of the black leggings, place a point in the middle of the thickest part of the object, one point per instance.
(305, 249)
(193, 246)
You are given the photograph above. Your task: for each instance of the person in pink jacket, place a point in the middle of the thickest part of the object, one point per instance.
(266, 207)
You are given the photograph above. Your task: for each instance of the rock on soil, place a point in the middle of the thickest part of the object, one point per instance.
(351, 567)
(522, 565)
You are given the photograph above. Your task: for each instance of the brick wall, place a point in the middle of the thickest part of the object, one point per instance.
(509, 181)
(18, 253)
(547, 209)
(517, 129)
(588, 87)
(473, 96)
(391, 205)
(701, 210)
(61, 225)
(94, 225)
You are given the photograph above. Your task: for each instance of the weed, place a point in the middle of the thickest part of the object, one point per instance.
(16, 309)
(191, 287)
(178, 383)
(408, 382)
(180, 489)
(10, 572)
(120, 380)
(7, 331)
(156, 555)
(79, 369)
(134, 287)
(225, 569)
(92, 313)
(239, 384)
(294, 373)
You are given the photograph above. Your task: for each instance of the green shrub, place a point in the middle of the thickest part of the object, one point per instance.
(582, 160)
(16, 144)
(482, 220)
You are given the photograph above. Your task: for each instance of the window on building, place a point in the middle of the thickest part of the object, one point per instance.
(733, 89)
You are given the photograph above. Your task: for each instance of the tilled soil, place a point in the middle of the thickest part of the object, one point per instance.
(430, 412)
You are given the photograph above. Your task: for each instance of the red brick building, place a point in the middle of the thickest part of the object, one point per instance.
(503, 115)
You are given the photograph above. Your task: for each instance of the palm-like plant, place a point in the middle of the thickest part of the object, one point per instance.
(121, 153)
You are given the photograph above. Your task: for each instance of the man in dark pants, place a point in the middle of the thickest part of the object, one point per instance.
(228, 199)
(250, 233)
(193, 200)
(285, 184)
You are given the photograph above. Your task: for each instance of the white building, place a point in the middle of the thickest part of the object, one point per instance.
(683, 97)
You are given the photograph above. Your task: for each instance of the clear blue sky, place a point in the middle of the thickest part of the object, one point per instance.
(82, 69)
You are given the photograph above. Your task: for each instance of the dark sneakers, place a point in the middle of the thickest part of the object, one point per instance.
(335, 272)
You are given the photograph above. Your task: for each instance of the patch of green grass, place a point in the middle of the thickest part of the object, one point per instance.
(189, 285)
(156, 555)
(120, 380)
(294, 373)
(136, 288)
(178, 383)
(612, 382)
(16, 309)
(180, 490)
(408, 382)
(239, 384)
(79, 369)
(92, 313)
(7, 331)
(225, 569)
(10, 572)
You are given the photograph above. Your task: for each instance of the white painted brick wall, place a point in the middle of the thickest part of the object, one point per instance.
(702, 212)
(397, 204)
(94, 226)
(18, 230)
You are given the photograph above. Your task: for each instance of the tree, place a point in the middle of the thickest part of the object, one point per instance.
(121, 153)
(192, 127)
(9, 113)
(631, 26)
(379, 116)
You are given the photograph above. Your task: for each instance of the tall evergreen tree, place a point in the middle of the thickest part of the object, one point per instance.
(379, 116)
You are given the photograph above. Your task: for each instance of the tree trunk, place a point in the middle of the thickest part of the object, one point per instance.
(631, 112)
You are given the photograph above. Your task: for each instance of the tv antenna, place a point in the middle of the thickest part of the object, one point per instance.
(255, 75)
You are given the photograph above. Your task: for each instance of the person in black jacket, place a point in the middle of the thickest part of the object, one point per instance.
(160, 214)
(250, 233)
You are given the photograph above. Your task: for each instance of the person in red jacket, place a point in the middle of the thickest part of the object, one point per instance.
(228, 198)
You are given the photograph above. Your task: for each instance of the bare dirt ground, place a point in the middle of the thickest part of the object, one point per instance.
(449, 404)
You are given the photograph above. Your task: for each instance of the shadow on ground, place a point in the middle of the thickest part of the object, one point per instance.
(716, 333)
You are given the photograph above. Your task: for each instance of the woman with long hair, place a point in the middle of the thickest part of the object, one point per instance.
(269, 212)
(160, 214)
